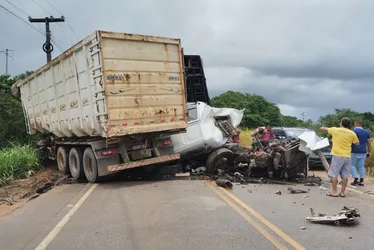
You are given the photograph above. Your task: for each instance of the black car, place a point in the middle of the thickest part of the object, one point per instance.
(314, 160)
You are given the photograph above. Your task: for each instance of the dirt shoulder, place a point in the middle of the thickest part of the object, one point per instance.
(19, 192)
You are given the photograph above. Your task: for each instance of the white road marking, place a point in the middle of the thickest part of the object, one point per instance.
(47, 240)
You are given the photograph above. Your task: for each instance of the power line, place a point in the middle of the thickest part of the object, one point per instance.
(50, 4)
(19, 18)
(49, 13)
(27, 15)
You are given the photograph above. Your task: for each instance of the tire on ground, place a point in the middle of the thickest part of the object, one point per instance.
(90, 166)
(76, 163)
(62, 159)
(215, 156)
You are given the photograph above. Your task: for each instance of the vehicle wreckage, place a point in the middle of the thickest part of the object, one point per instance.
(211, 146)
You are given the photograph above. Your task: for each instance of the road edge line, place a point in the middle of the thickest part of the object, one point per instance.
(271, 226)
(252, 222)
(52, 234)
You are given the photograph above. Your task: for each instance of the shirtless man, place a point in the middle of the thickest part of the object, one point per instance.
(342, 140)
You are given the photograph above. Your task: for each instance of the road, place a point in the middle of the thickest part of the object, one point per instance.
(183, 214)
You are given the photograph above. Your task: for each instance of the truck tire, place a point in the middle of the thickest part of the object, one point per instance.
(221, 158)
(76, 163)
(90, 166)
(62, 159)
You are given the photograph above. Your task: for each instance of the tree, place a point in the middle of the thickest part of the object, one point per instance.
(12, 121)
(258, 111)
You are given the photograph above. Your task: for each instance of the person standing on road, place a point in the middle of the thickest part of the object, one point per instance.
(342, 140)
(267, 133)
(360, 152)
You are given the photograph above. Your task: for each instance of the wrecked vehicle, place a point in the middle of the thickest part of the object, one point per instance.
(273, 158)
(209, 129)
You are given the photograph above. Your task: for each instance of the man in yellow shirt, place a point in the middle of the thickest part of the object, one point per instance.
(342, 140)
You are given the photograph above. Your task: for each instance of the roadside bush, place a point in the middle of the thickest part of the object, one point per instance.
(16, 161)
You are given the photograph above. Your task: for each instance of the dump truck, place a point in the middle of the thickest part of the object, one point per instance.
(109, 103)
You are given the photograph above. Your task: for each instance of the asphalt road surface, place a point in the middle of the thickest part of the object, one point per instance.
(183, 214)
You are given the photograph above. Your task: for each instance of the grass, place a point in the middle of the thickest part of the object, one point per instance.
(16, 161)
(245, 137)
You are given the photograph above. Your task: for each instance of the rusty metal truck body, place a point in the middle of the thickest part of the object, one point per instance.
(108, 103)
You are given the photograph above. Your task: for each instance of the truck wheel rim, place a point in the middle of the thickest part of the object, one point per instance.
(60, 161)
(73, 164)
(88, 165)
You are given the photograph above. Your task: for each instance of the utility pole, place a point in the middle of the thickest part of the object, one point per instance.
(6, 52)
(303, 115)
(47, 46)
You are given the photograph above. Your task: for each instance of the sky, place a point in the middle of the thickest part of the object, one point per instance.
(305, 56)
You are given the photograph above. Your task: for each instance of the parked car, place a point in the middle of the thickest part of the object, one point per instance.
(314, 161)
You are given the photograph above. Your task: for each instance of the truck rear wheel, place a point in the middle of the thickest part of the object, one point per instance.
(90, 166)
(62, 159)
(76, 163)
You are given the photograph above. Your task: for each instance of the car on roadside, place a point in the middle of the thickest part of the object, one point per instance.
(314, 161)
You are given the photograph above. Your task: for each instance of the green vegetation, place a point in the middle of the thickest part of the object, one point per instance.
(259, 112)
(16, 162)
(17, 155)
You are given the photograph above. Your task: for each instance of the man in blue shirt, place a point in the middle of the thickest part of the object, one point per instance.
(360, 152)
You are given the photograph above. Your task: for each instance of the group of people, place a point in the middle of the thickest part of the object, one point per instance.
(349, 149)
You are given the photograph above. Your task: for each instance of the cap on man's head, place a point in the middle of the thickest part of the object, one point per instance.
(345, 122)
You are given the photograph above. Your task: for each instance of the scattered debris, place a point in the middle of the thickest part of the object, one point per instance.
(279, 193)
(346, 216)
(350, 237)
(302, 228)
(294, 202)
(27, 189)
(296, 191)
(224, 183)
(305, 196)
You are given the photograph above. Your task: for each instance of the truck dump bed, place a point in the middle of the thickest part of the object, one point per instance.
(109, 84)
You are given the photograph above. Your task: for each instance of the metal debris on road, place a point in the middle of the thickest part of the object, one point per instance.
(347, 215)
(224, 183)
(296, 191)
(302, 228)
(279, 193)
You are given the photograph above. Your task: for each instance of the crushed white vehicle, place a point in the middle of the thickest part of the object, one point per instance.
(209, 129)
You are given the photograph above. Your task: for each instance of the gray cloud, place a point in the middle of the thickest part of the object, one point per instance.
(310, 56)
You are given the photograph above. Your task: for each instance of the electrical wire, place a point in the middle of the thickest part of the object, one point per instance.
(49, 13)
(50, 4)
(19, 18)
(27, 15)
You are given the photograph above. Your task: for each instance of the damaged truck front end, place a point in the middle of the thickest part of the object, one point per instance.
(209, 129)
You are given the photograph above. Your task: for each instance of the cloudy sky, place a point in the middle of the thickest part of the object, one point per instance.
(306, 56)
